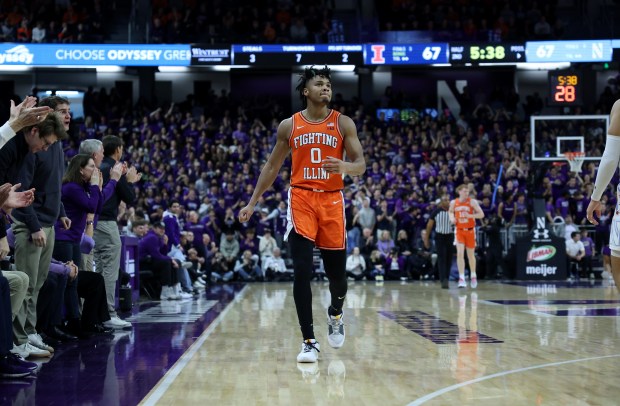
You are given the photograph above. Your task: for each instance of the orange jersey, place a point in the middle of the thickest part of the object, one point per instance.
(310, 144)
(460, 208)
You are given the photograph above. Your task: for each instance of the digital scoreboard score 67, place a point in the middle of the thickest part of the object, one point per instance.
(405, 54)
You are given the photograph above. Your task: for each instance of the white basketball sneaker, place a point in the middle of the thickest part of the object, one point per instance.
(335, 330)
(309, 351)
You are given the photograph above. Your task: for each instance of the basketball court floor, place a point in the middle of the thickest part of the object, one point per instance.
(408, 343)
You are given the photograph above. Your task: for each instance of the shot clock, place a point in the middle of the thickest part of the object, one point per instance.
(565, 88)
(486, 53)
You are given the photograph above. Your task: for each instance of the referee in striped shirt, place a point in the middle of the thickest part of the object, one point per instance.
(439, 223)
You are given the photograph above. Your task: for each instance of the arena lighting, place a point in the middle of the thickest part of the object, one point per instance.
(83, 67)
(498, 64)
(333, 68)
(63, 93)
(543, 66)
(173, 69)
(341, 68)
(15, 68)
(109, 69)
(227, 68)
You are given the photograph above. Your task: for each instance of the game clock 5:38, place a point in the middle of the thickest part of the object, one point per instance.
(565, 88)
(487, 53)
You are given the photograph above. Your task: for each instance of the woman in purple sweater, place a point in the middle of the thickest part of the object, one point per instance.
(81, 193)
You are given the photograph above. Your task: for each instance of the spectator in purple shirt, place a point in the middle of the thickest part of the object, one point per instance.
(549, 209)
(240, 135)
(521, 216)
(562, 205)
(508, 209)
(173, 228)
(194, 225)
(191, 200)
(580, 206)
(250, 242)
(487, 207)
(81, 192)
(152, 251)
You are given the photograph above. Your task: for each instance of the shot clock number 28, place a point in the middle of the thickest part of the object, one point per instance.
(565, 89)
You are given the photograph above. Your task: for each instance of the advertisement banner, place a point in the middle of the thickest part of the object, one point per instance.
(541, 256)
(94, 54)
(210, 54)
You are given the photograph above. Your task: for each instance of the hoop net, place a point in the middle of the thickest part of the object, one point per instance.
(575, 160)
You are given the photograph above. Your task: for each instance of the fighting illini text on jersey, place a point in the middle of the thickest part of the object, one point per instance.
(311, 143)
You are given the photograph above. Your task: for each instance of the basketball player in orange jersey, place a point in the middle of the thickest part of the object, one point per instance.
(463, 213)
(606, 170)
(317, 138)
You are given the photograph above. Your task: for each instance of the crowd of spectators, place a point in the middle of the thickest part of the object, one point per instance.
(190, 168)
(47, 21)
(474, 20)
(248, 22)
(208, 159)
(277, 21)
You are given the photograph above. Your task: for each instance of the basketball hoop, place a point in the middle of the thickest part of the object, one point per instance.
(575, 160)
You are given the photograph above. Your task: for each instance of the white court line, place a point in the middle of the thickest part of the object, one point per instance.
(164, 384)
(504, 373)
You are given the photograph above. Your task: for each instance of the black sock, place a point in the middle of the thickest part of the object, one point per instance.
(332, 311)
(308, 334)
(335, 269)
(302, 292)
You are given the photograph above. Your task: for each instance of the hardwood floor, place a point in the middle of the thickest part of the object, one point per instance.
(410, 343)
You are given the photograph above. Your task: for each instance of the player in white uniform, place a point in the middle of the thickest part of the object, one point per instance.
(606, 170)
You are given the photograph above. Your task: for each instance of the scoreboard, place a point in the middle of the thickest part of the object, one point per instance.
(406, 54)
(569, 51)
(565, 88)
(475, 53)
(293, 55)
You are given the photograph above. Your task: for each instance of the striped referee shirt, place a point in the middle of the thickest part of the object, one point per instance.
(442, 221)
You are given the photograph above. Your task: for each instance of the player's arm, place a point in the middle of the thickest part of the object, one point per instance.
(611, 155)
(356, 164)
(429, 229)
(451, 212)
(608, 164)
(271, 168)
(478, 213)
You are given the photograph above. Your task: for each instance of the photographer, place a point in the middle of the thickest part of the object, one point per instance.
(421, 259)
(493, 254)
(275, 267)
(247, 267)
(219, 269)
(356, 265)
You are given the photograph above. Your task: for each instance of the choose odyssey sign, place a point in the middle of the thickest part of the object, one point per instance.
(95, 54)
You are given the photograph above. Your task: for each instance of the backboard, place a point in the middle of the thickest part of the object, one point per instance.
(551, 136)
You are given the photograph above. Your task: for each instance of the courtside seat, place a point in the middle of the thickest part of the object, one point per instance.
(149, 283)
